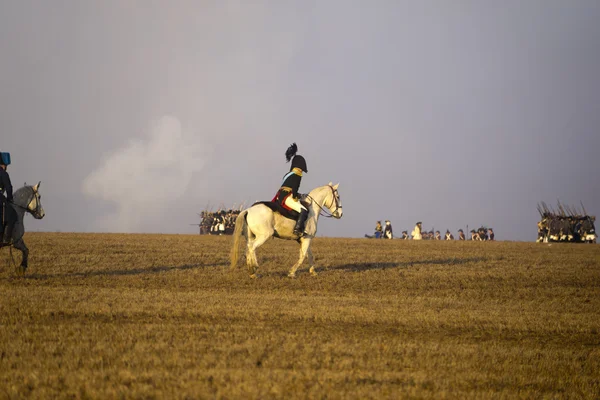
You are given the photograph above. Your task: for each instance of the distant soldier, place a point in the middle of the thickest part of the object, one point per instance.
(491, 233)
(378, 230)
(461, 235)
(482, 234)
(416, 233)
(387, 232)
(438, 235)
(474, 235)
(222, 224)
(215, 224)
(449, 235)
(430, 235)
(405, 235)
(542, 231)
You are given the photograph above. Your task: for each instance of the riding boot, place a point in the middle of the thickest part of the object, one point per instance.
(299, 228)
(7, 238)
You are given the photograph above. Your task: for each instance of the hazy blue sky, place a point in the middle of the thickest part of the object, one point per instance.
(137, 114)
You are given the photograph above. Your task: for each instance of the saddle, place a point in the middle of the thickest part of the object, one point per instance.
(286, 213)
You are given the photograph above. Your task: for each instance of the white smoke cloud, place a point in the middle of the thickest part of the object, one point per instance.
(144, 179)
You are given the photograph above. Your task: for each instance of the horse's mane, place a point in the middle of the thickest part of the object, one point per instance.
(322, 188)
(314, 192)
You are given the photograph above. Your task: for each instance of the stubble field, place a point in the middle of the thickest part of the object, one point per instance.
(162, 316)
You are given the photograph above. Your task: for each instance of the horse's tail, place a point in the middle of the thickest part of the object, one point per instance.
(240, 226)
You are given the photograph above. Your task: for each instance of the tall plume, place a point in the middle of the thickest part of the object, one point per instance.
(291, 152)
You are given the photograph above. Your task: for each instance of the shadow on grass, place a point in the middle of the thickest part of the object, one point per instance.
(121, 272)
(354, 267)
(366, 266)
(265, 271)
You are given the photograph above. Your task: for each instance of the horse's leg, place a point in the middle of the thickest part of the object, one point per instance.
(20, 245)
(304, 247)
(251, 256)
(311, 261)
(256, 243)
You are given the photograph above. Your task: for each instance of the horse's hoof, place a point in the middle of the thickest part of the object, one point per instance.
(290, 275)
(313, 273)
(21, 270)
(254, 276)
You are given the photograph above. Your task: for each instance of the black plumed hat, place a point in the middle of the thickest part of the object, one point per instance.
(291, 152)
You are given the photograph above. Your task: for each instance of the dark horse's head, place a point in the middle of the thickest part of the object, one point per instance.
(29, 198)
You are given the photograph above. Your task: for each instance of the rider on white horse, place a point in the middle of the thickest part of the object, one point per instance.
(288, 196)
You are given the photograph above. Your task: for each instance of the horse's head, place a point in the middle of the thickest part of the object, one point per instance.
(336, 205)
(29, 198)
(329, 198)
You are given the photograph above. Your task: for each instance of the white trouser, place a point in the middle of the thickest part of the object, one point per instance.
(294, 204)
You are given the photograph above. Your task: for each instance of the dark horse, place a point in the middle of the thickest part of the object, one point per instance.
(26, 199)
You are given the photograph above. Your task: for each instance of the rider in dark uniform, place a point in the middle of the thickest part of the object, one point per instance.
(5, 186)
(288, 196)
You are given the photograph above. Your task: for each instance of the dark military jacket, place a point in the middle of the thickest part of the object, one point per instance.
(5, 186)
(290, 184)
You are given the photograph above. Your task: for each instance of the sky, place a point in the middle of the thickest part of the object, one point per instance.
(137, 115)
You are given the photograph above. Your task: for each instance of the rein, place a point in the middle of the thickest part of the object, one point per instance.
(323, 211)
(26, 208)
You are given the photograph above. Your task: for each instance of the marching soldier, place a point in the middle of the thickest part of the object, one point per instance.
(461, 235)
(542, 230)
(405, 235)
(288, 196)
(482, 233)
(438, 236)
(449, 236)
(491, 233)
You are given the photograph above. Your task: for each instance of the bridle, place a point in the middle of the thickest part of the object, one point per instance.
(38, 204)
(324, 211)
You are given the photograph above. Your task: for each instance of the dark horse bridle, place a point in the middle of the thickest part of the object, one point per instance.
(36, 196)
(325, 211)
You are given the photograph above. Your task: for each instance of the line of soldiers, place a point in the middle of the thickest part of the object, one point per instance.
(566, 228)
(218, 222)
(482, 234)
(565, 224)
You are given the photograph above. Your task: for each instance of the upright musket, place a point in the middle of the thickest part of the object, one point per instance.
(583, 208)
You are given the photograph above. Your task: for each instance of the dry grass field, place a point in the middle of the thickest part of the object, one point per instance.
(162, 316)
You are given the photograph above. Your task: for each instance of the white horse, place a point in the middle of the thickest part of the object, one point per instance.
(259, 223)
